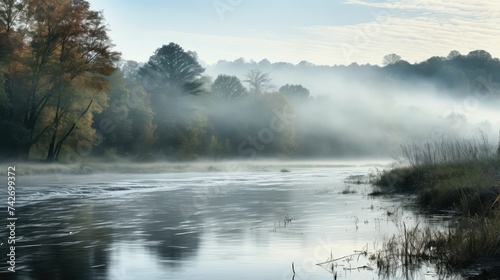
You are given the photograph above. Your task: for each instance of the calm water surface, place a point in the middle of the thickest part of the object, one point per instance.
(203, 225)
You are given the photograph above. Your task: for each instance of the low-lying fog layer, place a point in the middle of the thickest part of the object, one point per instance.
(357, 111)
(99, 167)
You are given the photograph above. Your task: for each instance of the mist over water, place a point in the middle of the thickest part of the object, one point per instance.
(210, 224)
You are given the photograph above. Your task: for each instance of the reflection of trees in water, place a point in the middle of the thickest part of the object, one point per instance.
(67, 240)
(73, 239)
(59, 242)
(237, 212)
(158, 222)
(177, 237)
(162, 219)
(165, 223)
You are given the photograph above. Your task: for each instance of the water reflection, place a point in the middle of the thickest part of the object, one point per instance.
(207, 226)
(59, 242)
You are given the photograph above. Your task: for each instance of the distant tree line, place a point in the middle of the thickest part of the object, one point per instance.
(66, 94)
(457, 72)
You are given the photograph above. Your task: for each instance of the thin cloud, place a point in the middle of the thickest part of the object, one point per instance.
(294, 48)
(467, 8)
(415, 29)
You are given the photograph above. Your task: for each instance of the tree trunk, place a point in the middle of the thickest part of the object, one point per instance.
(58, 147)
(51, 151)
(498, 149)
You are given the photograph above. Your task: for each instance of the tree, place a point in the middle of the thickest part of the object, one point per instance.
(126, 125)
(453, 54)
(279, 139)
(57, 71)
(173, 77)
(130, 71)
(218, 149)
(498, 148)
(259, 82)
(10, 10)
(192, 138)
(453, 78)
(172, 71)
(4, 54)
(294, 92)
(479, 55)
(226, 86)
(264, 63)
(391, 59)
(479, 61)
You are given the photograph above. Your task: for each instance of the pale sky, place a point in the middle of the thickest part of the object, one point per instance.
(319, 31)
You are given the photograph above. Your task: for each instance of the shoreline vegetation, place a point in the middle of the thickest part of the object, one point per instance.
(461, 176)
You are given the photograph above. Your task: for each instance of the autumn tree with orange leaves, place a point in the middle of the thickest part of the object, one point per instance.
(56, 55)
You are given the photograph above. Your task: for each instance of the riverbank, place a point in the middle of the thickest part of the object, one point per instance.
(470, 188)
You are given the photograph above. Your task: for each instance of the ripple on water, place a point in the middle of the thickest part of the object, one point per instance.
(133, 223)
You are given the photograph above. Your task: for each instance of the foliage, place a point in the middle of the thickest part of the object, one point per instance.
(55, 68)
(453, 54)
(172, 71)
(226, 86)
(295, 92)
(10, 11)
(130, 118)
(391, 59)
(191, 139)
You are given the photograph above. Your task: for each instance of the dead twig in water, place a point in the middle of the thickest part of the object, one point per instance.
(344, 257)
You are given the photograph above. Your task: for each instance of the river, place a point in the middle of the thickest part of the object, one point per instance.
(243, 224)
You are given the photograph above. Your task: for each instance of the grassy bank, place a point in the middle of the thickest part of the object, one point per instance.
(461, 175)
(472, 187)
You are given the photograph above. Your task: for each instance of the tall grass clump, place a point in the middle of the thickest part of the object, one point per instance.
(445, 150)
(463, 174)
(457, 247)
(474, 238)
(460, 174)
